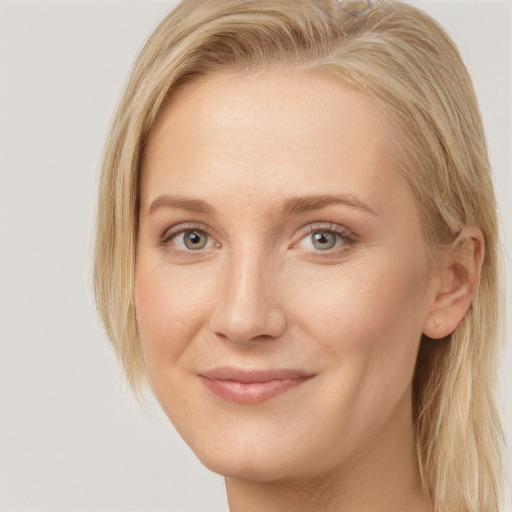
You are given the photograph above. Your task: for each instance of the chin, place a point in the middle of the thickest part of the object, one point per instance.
(248, 454)
(246, 467)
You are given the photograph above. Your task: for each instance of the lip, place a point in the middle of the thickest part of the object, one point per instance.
(252, 387)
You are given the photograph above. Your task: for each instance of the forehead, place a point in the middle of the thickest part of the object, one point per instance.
(264, 134)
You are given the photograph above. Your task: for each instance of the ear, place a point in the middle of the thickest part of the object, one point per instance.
(455, 283)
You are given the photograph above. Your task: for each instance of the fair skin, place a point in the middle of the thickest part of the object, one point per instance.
(282, 289)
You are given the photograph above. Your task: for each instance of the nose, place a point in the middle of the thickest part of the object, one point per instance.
(247, 308)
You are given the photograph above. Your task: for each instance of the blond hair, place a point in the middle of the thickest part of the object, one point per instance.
(404, 61)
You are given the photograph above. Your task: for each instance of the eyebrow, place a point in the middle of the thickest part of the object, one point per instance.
(292, 206)
(182, 203)
(297, 205)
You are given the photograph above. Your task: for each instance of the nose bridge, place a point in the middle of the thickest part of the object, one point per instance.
(247, 306)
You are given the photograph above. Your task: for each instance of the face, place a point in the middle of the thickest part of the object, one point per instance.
(280, 280)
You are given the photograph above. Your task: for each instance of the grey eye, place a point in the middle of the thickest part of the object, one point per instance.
(323, 240)
(194, 240)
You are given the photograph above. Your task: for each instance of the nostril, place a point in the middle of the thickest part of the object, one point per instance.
(263, 325)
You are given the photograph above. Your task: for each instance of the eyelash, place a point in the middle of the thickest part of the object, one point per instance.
(174, 232)
(343, 234)
(346, 237)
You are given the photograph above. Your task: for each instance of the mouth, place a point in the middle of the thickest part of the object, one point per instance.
(252, 387)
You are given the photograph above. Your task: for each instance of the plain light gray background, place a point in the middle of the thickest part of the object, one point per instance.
(71, 438)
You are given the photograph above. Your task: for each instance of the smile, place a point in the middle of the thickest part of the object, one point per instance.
(251, 387)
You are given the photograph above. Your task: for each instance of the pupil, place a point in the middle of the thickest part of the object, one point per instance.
(195, 240)
(324, 240)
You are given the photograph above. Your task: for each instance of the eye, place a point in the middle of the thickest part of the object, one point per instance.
(323, 240)
(326, 238)
(188, 240)
(193, 240)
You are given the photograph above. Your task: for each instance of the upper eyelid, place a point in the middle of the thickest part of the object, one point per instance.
(167, 239)
(185, 226)
(327, 226)
(345, 234)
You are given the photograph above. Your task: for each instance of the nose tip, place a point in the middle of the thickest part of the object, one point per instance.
(248, 309)
(252, 326)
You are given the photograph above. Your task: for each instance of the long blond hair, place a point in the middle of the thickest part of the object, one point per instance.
(407, 65)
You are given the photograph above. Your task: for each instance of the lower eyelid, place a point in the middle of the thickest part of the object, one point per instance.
(345, 237)
(341, 243)
(167, 241)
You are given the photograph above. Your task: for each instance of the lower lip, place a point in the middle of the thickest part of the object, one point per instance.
(250, 393)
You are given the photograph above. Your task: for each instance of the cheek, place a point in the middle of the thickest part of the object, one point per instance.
(170, 310)
(367, 317)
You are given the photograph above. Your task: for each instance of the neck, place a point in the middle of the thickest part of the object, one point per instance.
(383, 477)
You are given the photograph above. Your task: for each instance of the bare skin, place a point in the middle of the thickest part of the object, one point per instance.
(282, 290)
(363, 487)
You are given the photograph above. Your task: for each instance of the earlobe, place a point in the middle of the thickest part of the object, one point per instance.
(456, 283)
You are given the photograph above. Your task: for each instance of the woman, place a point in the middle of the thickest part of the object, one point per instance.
(297, 248)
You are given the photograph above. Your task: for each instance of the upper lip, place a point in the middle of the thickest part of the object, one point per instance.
(253, 376)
